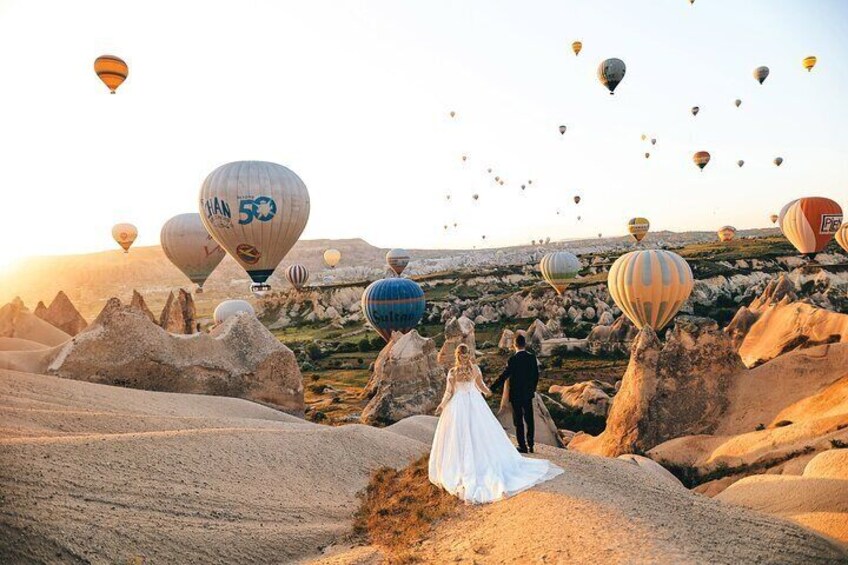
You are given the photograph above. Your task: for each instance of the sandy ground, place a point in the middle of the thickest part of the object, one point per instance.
(92, 473)
(18, 344)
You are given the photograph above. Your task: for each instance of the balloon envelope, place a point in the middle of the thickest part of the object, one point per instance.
(332, 257)
(611, 73)
(297, 275)
(559, 268)
(256, 211)
(577, 46)
(778, 161)
(726, 233)
(393, 305)
(695, 110)
(701, 158)
(189, 246)
(842, 236)
(112, 70)
(229, 308)
(809, 62)
(562, 130)
(397, 259)
(738, 102)
(124, 235)
(774, 218)
(760, 73)
(810, 223)
(638, 228)
(650, 286)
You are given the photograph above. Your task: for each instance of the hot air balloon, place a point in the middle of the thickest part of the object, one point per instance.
(760, 74)
(647, 155)
(530, 181)
(297, 275)
(638, 228)
(452, 114)
(738, 102)
(653, 141)
(577, 46)
(562, 130)
(229, 308)
(577, 199)
(726, 233)
(810, 223)
(489, 170)
(695, 110)
(559, 268)
(600, 235)
(740, 162)
(650, 286)
(497, 179)
(113, 71)
(332, 257)
(523, 187)
(124, 235)
(475, 196)
(447, 196)
(393, 305)
(809, 62)
(464, 158)
(842, 236)
(644, 137)
(189, 246)
(397, 260)
(501, 182)
(774, 218)
(256, 211)
(579, 218)
(778, 161)
(611, 73)
(701, 158)
(483, 237)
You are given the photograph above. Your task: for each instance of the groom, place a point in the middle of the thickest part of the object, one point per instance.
(522, 372)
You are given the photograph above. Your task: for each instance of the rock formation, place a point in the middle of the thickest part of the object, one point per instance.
(178, 315)
(537, 333)
(588, 397)
(615, 339)
(669, 390)
(139, 304)
(40, 310)
(62, 314)
(457, 330)
(545, 432)
(651, 467)
(239, 358)
(407, 380)
(505, 342)
(18, 322)
(776, 322)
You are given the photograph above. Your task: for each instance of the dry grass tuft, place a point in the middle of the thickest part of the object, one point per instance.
(399, 508)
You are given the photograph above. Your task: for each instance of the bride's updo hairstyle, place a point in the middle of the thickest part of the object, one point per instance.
(463, 366)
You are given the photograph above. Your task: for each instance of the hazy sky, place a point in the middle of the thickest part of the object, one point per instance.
(354, 97)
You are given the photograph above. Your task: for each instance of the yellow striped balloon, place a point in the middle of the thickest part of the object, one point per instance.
(113, 71)
(577, 46)
(809, 62)
(726, 233)
(842, 236)
(559, 268)
(638, 228)
(650, 286)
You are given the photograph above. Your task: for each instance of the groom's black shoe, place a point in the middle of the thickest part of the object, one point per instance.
(522, 449)
(531, 449)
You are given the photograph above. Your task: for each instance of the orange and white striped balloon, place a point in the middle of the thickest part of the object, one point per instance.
(650, 287)
(842, 236)
(810, 223)
(113, 71)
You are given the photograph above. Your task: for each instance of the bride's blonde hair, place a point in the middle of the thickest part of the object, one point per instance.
(463, 366)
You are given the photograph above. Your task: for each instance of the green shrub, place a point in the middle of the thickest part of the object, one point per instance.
(314, 351)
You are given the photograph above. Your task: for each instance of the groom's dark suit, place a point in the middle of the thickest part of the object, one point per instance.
(522, 372)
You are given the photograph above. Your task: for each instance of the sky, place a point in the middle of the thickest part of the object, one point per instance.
(354, 96)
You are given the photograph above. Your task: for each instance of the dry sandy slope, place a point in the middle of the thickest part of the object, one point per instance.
(96, 473)
(18, 344)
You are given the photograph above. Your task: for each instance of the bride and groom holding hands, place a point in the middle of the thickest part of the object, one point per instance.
(472, 457)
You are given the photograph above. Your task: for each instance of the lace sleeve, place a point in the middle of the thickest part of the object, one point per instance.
(478, 382)
(449, 387)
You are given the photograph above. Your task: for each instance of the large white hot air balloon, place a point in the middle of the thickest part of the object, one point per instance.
(189, 246)
(559, 268)
(256, 211)
(229, 308)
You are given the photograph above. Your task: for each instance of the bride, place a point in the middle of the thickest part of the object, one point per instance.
(472, 457)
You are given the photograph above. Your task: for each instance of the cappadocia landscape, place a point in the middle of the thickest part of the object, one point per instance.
(245, 245)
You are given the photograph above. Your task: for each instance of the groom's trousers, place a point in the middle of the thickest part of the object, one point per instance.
(522, 412)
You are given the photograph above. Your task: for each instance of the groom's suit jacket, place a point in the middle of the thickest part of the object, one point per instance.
(522, 372)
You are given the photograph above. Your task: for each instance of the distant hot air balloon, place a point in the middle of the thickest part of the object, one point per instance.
(638, 228)
(810, 223)
(691, 2)
(483, 237)
(653, 141)
(447, 196)
(650, 286)
(647, 155)
(523, 187)
(577, 46)
(778, 161)
(393, 305)
(774, 218)
(559, 268)
(229, 308)
(740, 162)
(124, 235)
(475, 196)
(256, 211)
(397, 259)
(189, 246)
(501, 182)
(611, 73)
(738, 102)
(332, 257)
(464, 158)
(489, 170)
(760, 74)
(579, 218)
(726, 233)
(842, 236)
(577, 199)
(562, 130)
(600, 235)
(644, 137)
(530, 181)
(497, 179)
(695, 110)
(809, 62)
(701, 158)
(452, 114)
(297, 275)
(113, 71)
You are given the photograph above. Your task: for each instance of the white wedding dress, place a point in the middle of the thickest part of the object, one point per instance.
(472, 457)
